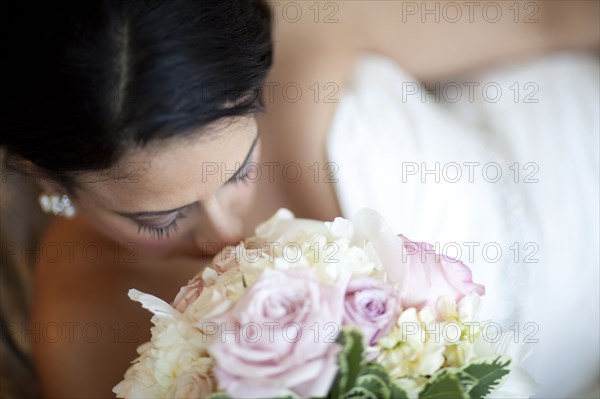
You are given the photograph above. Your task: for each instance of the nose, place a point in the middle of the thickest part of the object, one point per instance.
(223, 226)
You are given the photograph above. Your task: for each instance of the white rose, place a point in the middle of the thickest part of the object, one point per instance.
(409, 350)
(174, 347)
(223, 291)
(283, 242)
(463, 317)
(139, 382)
(194, 383)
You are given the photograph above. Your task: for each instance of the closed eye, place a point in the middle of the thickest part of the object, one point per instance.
(160, 227)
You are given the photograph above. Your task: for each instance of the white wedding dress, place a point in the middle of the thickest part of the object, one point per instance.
(531, 234)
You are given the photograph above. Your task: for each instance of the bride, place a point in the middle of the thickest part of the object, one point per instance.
(157, 132)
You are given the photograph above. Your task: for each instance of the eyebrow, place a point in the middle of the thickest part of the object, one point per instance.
(168, 211)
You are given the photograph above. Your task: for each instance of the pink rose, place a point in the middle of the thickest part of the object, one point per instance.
(370, 306)
(279, 336)
(432, 275)
(188, 294)
(421, 276)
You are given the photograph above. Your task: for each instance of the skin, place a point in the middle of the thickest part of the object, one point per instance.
(190, 173)
(169, 175)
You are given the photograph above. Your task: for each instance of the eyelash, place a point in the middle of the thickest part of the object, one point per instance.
(158, 233)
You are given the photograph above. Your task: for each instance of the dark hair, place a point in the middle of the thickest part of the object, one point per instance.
(84, 81)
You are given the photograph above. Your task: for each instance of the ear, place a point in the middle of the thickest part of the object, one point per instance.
(25, 169)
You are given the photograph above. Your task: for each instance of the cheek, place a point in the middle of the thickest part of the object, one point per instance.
(157, 247)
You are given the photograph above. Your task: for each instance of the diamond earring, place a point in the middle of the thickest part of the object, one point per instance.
(58, 205)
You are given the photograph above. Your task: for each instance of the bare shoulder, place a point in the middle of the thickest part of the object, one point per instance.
(86, 329)
(78, 270)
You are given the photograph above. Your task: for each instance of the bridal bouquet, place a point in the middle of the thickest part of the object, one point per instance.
(341, 309)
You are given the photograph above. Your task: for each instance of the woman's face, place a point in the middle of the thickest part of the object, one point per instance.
(180, 196)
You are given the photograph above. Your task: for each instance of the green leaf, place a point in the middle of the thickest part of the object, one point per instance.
(466, 380)
(376, 369)
(374, 384)
(359, 392)
(443, 385)
(397, 392)
(349, 361)
(487, 373)
(354, 356)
